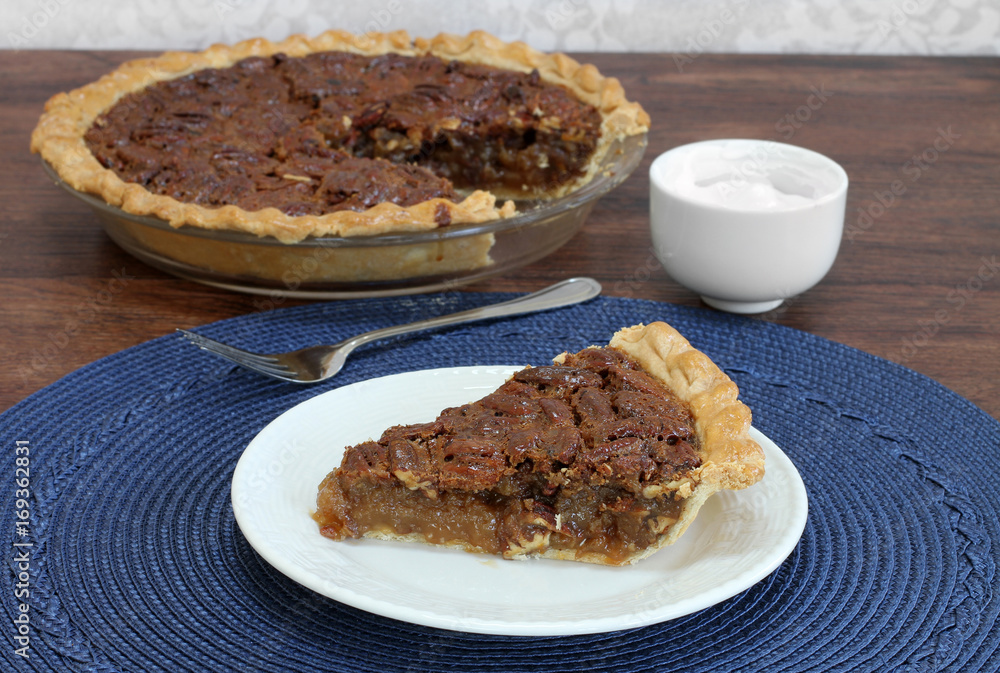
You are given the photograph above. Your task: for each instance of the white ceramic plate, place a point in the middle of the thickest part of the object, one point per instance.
(737, 539)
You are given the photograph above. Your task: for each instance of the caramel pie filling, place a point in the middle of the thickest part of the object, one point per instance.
(560, 457)
(337, 131)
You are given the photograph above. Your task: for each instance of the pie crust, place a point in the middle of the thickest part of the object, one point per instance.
(656, 507)
(59, 136)
(731, 460)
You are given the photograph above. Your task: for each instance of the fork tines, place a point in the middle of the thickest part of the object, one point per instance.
(259, 362)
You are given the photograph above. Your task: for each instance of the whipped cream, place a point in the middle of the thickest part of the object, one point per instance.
(748, 175)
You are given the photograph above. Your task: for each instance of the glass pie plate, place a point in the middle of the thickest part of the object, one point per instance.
(364, 266)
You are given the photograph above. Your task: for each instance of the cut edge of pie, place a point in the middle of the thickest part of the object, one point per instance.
(730, 458)
(59, 136)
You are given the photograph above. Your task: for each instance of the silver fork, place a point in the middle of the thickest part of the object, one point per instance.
(318, 363)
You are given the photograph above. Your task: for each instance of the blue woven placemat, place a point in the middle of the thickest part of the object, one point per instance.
(136, 562)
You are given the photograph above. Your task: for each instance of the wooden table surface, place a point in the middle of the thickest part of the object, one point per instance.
(917, 280)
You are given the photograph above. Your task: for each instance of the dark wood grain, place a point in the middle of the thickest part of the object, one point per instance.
(918, 283)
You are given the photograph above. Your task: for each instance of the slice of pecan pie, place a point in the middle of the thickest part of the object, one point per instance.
(603, 457)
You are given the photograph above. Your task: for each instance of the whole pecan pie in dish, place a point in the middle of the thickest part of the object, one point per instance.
(337, 135)
(603, 457)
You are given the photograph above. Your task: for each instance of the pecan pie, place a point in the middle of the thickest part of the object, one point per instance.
(603, 457)
(337, 135)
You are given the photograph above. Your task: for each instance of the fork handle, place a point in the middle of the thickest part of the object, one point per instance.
(564, 293)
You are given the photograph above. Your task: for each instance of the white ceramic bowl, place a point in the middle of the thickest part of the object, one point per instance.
(746, 223)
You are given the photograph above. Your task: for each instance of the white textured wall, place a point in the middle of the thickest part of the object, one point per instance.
(930, 27)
